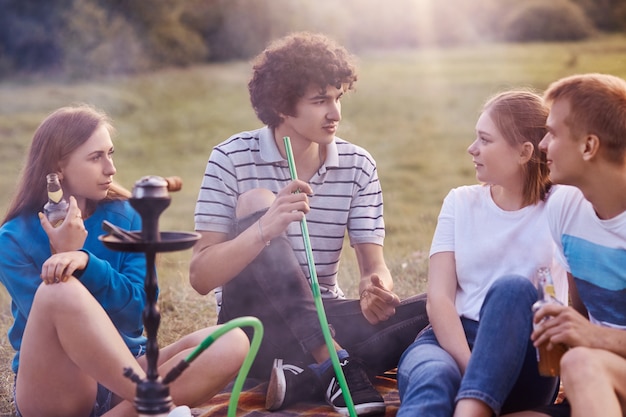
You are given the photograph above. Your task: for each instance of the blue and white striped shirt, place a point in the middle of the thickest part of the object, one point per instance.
(594, 252)
(346, 196)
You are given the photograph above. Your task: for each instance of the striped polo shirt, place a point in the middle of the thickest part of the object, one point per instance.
(346, 196)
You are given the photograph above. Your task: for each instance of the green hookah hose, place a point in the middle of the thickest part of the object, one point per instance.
(245, 367)
(317, 295)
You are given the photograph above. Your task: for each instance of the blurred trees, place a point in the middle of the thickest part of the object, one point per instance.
(538, 20)
(77, 38)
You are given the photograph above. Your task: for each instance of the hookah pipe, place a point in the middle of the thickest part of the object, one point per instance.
(317, 295)
(150, 198)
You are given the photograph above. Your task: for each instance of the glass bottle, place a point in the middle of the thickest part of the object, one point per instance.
(547, 360)
(57, 206)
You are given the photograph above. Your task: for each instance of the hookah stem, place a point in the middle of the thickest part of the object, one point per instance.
(317, 295)
(152, 317)
(256, 324)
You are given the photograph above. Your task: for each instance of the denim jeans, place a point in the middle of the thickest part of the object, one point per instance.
(274, 289)
(502, 371)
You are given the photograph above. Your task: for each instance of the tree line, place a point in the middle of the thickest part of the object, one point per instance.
(81, 38)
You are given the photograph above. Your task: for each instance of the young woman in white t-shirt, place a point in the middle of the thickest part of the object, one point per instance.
(476, 358)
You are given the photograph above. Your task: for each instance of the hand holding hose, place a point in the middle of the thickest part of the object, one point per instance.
(291, 205)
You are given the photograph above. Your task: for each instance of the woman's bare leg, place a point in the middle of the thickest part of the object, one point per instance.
(69, 343)
(210, 372)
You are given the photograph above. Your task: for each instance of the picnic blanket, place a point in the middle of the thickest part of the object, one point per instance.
(252, 402)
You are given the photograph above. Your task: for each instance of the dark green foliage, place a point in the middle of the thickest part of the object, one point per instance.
(606, 15)
(84, 37)
(164, 39)
(97, 42)
(236, 29)
(245, 26)
(539, 20)
(30, 33)
(80, 38)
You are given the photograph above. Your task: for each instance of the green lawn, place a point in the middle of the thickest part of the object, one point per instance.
(413, 110)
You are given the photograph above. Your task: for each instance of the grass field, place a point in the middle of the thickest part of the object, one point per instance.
(413, 110)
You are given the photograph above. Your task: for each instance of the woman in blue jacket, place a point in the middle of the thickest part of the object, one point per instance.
(77, 306)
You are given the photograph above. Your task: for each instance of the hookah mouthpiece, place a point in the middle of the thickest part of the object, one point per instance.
(150, 186)
(173, 183)
(156, 187)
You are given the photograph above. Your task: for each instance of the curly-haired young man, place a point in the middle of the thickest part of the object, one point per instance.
(252, 251)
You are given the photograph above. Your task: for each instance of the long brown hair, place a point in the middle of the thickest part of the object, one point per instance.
(55, 139)
(521, 116)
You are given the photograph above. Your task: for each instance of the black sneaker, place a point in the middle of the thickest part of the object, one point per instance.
(290, 383)
(366, 399)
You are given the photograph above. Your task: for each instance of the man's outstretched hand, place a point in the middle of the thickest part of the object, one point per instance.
(377, 302)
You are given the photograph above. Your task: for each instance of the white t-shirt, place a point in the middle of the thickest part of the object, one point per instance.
(594, 252)
(489, 243)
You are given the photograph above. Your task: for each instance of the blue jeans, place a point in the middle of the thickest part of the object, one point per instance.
(502, 371)
(274, 289)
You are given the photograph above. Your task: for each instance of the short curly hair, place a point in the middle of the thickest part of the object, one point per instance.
(287, 67)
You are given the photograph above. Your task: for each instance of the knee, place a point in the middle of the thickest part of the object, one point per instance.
(234, 346)
(580, 363)
(513, 289)
(240, 343)
(513, 284)
(68, 296)
(254, 200)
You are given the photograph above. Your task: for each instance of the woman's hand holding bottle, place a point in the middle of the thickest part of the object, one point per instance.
(69, 235)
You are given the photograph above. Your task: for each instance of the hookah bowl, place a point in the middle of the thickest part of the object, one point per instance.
(150, 198)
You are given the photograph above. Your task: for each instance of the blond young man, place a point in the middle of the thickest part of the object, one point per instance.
(586, 149)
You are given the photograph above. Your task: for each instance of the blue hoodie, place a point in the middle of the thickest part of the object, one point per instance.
(115, 279)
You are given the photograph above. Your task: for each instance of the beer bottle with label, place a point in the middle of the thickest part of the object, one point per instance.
(56, 207)
(548, 360)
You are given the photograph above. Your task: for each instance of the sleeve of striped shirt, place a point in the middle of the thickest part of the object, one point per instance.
(215, 207)
(365, 222)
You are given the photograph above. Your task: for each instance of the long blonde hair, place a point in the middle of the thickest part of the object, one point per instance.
(55, 139)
